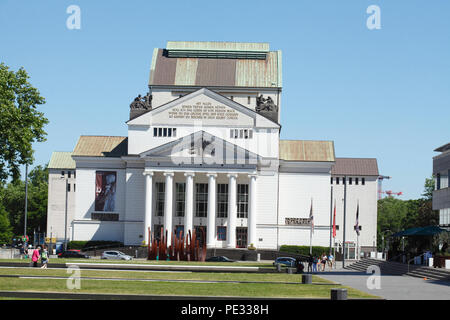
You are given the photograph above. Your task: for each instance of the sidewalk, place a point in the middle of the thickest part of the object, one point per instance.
(391, 287)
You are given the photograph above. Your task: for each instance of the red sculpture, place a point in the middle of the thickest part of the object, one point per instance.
(179, 249)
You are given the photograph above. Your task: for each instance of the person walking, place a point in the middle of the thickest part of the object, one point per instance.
(324, 261)
(44, 258)
(330, 261)
(35, 257)
(310, 262)
(315, 262)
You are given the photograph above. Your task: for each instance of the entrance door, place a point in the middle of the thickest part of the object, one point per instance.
(241, 237)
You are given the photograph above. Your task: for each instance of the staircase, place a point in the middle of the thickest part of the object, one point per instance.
(400, 269)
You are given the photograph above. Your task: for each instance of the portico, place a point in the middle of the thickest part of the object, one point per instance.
(200, 208)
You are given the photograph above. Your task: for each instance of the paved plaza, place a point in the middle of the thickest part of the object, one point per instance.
(391, 287)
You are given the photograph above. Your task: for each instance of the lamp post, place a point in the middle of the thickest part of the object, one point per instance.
(345, 207)
(26, 201)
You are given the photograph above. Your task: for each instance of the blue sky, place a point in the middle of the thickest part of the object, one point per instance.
(376, 93)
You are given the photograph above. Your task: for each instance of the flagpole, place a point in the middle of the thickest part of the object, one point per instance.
(311, 222)
(331, 216)
(345, 206)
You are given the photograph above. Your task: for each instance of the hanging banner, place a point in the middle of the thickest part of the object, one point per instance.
(105, 190)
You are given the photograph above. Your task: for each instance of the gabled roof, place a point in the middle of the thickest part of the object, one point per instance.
(61, 160)
(355, 167)
(216, 64)
(212, 94)
(306, 150)
(101, 146)
(444, 148)
(206, 148)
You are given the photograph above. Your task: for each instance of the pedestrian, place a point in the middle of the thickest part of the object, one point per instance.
(330, 261)
(44, 258)
(324, 261)
(315, 262)
(35, 257)
(310, 262)
(300, 266)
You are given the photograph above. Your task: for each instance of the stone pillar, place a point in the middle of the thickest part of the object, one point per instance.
(148, 204)
(168, 204)
(232, 210)
(211, 222)
(251, 221)
(189, 203)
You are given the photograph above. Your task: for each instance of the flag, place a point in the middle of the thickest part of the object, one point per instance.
(357, 220)
(311, 217)
(334, 220)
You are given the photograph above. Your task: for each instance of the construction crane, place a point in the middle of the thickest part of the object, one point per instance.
(380, 182)
(390, 193)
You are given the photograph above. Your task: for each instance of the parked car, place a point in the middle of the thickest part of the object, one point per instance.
(219, 259)
(117, 255)
(73, 254)
(287, 261)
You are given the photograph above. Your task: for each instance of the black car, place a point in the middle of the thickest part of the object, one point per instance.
(73, 254)
(219, 259)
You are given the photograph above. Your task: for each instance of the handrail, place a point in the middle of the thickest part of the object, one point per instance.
(415, 258)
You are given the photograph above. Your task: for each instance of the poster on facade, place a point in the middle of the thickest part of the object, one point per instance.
(105, 191)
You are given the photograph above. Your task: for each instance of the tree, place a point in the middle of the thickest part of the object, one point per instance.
(21, 123)
(13, 199)
(5, 226)
(428, 189)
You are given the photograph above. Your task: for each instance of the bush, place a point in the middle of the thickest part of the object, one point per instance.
(304, 250)
(82, 245)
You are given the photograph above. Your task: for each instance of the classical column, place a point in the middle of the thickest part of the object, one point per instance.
(232, 210)
(211, 224)
(148, 204)
(189, 203)
(251, 221)
(168, 206)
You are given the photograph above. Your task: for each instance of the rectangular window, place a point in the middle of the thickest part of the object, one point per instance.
(159, 132)
(331, 180)
(160, 194)
(169, 132)
(74, 187)
(236, 133)
(356, 181)
(248, 100)
(343, 180)
(174, 132)
(75, 174)
(155, 132)
(337, 180)
(363, 181)
(180, 192)
(69, 173)
(201, 199)
(242, 201)
(63, 173)
(68, 187)
(349, 180)
(222, 200)
(221, 233)
(165, 132)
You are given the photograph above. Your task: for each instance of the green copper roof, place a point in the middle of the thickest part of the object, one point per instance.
(61, 160)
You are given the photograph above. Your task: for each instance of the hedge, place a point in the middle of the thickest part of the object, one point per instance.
(81, 245)
(304, 250)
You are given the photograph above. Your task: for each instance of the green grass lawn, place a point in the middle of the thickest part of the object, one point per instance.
(153, 262)
(260, 289)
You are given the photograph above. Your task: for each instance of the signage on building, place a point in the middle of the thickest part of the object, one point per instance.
(203, 111)
(297, 221)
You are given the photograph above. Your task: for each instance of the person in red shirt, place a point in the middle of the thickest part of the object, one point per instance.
(35, 257)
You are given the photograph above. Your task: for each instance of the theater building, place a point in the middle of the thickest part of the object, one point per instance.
(203, 152)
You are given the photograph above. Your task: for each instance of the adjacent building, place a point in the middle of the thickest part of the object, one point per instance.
(441, 194)
(203, 152)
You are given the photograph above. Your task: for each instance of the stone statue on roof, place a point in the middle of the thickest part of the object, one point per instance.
(265, 104)
(142, 103)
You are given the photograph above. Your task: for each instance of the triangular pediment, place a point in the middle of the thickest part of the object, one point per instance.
(202, 148)
(203, 107)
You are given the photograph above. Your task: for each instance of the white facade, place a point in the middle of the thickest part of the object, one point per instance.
(208, 158)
